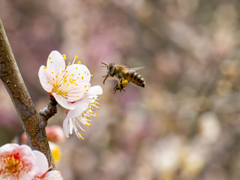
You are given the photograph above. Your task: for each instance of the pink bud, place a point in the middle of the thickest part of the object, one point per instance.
(24, 138)
(55, 134)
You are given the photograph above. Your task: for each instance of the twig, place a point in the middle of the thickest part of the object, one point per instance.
(13, 82)
(48, 111)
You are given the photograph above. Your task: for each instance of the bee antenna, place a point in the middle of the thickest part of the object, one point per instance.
(104, 64)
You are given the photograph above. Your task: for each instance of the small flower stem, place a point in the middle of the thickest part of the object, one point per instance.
(13, 82)
(48, 111)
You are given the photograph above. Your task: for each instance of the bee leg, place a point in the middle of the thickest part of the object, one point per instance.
(115, 89)
(121, 90)
(105, 78)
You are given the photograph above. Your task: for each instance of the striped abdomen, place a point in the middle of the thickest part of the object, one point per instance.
(135, 78)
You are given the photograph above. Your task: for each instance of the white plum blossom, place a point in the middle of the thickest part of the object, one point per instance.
(83, 112)
(67, 84)
(21, 163)
(70, 85)
(17, 162)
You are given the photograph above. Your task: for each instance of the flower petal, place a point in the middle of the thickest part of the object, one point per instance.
(26, 154)
(56, 62)
(42, 162)
(66, 126)
(8, 148)
(77, 92)
(54, 175)
(75, 69)
(94, 90)
(70, 125)
(63, 102)
(29, 176)
(44, 78)
(80, 106)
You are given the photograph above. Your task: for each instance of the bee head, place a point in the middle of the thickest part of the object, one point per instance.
(110, 68)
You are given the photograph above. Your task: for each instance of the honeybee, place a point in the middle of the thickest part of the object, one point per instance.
(124, 75)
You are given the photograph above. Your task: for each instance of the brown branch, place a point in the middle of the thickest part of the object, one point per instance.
(13, 82)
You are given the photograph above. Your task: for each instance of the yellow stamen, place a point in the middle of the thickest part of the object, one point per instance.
(75, 57)
(45, 68)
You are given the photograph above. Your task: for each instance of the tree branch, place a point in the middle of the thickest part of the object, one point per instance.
(13, 82)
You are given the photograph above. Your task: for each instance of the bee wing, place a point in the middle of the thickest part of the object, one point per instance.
(136, 68)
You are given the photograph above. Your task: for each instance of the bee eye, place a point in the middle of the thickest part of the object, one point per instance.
(110, 68)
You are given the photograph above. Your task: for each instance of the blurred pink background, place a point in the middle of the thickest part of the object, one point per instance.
(184, 125)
